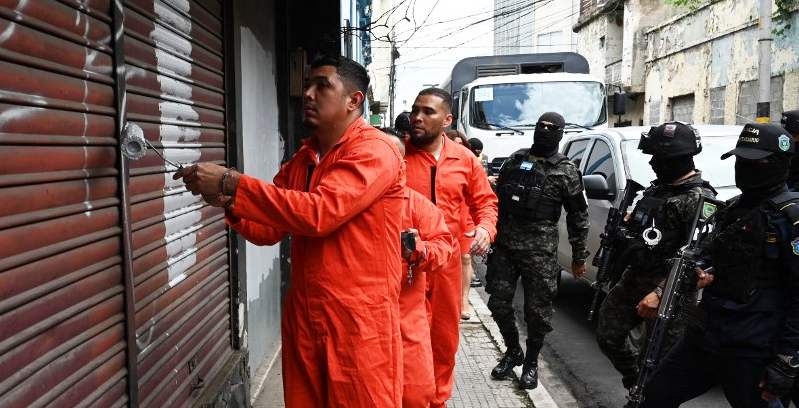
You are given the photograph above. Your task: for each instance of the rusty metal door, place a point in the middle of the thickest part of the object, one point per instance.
(114, 281)
(174, 71)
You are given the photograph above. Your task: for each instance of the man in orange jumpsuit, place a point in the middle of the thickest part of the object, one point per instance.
(434, 246)
(450, 176)
(340, 197)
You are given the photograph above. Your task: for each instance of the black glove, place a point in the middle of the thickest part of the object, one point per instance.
(780, 376)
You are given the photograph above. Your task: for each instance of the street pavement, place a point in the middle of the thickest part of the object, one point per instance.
(574, 359)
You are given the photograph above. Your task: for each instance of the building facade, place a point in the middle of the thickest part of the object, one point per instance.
(522, 27)
(698, 66)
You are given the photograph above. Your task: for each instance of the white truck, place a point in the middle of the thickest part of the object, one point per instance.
(498, 99)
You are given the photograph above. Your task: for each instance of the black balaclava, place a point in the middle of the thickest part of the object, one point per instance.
(793, 172)
(790, 121)
(760, 179)
(545, 141)
(669, 169)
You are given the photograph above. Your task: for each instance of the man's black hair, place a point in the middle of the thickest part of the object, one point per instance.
(351, 72)
(390, 131)
(444, 95)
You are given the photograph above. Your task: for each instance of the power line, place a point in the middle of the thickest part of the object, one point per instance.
(469, 40)
(421, 25)
(492, 10)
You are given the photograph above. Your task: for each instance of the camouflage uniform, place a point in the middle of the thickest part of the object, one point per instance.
(647, 269)
(527, 248)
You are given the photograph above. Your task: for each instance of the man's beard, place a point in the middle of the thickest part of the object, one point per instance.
(423, 140)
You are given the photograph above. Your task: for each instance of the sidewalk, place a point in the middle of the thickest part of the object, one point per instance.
(474, 387)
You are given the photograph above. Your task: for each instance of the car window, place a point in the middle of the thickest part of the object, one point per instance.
(720, 173)
(575, 151)
(600, 161)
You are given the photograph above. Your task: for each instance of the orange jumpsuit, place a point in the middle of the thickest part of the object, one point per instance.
(419, 381)
(456, 179)
(340, 326)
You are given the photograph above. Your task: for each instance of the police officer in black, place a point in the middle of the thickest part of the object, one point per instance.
(747, 341)
(790, 121)
(656, 229)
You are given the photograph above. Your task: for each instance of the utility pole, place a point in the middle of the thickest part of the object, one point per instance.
(392, 79)
(764, 64)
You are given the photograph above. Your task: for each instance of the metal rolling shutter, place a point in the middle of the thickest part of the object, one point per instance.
(63, 252)
(175, 93)
(62, 314)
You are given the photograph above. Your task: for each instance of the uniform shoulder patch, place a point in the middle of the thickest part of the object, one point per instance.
(784, 142)
(795, 246)
(708, 209)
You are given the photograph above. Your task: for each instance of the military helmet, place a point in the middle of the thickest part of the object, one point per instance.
(671, 139)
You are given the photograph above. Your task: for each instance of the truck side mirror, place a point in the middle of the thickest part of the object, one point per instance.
(596, 187)
(619, 103)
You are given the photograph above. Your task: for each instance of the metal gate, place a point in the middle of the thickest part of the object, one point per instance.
(114, 280)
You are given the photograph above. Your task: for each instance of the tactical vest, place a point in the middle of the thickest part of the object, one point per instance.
(745, 251)
(646, 226)
(521, 193)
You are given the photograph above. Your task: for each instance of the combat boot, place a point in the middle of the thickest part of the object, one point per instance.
(529, 378)
(513, 357)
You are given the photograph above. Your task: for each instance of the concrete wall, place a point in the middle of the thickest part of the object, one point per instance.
(381, 55)
(713, 51)
(262, 146)
(588, 45)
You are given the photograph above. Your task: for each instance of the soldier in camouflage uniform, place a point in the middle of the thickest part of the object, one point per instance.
(656, 228)
(532, 187)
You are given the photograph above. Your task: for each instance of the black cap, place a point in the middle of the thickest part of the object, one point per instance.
(790, 121)
(671, 139)
(475, 143)
(403, 122)
(760, 140)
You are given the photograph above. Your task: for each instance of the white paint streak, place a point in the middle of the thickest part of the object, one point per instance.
(166, 39)
(177, 270)
(175, 134)
(178, 226)
(7, 33)
(182, 5)
(174, 19)
(179, 245)
(16, 113)
(179, 111)
(183, 155)
(172, 87)
(168, 62)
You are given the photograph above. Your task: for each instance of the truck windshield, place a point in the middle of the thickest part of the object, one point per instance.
(520, 105)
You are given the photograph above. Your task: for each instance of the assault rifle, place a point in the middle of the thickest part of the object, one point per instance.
(613, 234)
(679, 286)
